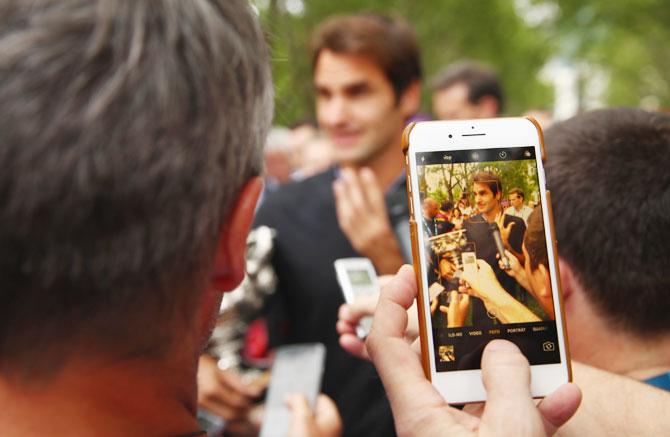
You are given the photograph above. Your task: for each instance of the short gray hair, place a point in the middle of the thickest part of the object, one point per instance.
(127, 129)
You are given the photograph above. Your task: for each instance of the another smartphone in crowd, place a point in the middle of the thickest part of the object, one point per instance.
(357, 277)
(297, 369)
(497, 260)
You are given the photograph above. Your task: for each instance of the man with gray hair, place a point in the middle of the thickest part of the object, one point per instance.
(130, 145)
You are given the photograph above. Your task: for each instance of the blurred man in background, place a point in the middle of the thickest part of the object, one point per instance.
(467, 90)
(517, 208)
(366, 76)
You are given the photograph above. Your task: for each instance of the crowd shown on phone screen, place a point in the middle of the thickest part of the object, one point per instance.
(134, 140)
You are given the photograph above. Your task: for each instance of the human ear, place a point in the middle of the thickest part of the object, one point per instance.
(567, 278)
(488, 107)
(411, 99)
(230, 260)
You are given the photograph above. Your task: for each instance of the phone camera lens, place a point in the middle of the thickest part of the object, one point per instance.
(450, 135)
(472, 127)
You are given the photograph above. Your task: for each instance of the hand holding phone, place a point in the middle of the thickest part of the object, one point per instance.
(297, 369)
(480, 161)
(358, 280)
(504, 367)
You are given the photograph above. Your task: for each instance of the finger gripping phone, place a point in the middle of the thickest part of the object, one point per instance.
(475, 164)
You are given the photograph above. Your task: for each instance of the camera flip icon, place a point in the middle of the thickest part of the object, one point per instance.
(548, 346)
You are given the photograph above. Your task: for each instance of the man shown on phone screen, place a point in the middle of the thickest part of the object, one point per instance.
(488, 191)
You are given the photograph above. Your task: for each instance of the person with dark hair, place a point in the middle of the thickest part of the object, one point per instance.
(467, 90)
(610, 188)
(366, 76)
(436, 222)
(131, 136)
(517, 208)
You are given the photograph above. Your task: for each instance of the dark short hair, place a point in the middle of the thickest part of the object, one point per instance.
(390, 43)
(517, 191)
(481, 80)
(447, 205)
(534, 241)
(608, 172)
(127, 128)
(490, 179)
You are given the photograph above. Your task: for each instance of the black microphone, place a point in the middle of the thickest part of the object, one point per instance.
(495, 233)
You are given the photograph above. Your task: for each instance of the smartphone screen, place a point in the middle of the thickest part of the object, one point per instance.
(297, 369)
(478, 241)
(361, 281)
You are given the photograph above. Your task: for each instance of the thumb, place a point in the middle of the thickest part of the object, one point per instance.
(302, 418)
(361, 307)
(328, 419)
(506, 377)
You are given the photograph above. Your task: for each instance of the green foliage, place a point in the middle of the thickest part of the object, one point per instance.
(628, 40)
(625, 39)
(488, 30)
(447, 181)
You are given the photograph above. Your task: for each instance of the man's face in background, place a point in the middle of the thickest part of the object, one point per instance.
(452, 104)
(356, 107)
(485, 200)
(516, 201)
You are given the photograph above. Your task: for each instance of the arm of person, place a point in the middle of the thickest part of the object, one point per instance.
(512, 237)
(457, 311)
(363, 218)
(484, 285)
(617, 405)
(419, 409)
(516, 271)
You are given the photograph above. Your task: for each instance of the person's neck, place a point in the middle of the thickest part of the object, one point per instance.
(492, 215)
(626, 355)
(130, 397)
(596, 343)
(387, 165)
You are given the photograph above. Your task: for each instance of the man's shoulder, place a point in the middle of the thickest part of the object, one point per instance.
(308, 186)
(509, 210)
(299, 192)
(475, 219)
(306, 195)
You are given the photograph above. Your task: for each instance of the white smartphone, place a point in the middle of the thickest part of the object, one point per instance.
(474, 164)
(297, 369)
(357, 277)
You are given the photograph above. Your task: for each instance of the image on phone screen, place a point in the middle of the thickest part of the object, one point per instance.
(484, 242)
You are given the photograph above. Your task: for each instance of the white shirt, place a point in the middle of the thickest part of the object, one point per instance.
(524, 213)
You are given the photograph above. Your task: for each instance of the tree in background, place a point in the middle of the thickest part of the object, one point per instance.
(489, 31)
(626, 40)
